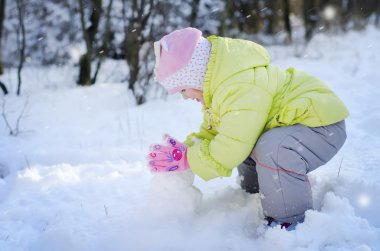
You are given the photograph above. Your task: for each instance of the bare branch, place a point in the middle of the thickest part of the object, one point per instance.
(16, 130)
(106, 210)
(21, 116)
(340, 166)
(27, 161)
(3, 114)
(2, 85)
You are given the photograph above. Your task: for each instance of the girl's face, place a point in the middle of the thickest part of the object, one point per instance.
(193, 94)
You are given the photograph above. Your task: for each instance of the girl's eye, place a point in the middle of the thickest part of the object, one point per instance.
(183, 90)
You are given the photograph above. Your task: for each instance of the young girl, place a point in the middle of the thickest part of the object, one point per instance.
(275, 125)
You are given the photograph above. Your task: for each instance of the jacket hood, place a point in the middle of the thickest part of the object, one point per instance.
(228, 57)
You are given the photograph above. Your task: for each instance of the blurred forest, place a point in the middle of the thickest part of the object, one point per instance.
(86, 32)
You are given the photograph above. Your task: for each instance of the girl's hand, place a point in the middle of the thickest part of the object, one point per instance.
(169, 157)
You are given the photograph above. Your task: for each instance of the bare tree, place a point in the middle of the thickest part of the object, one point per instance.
(225, 15)
(104, 48)
(377, 20)
(273, 17)
(2, 17)
(194, 12)
(89, 34)
(13, 130)
(240, 16)
(21, 43)
(310, 16)
(361, 12)
(3, 88)
(135, 37)
(286, 15)
(277, 18)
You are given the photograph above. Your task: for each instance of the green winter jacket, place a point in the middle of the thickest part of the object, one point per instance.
(246, 96)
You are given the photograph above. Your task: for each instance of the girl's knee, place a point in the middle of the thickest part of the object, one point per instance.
(275, 156)
(265, 148)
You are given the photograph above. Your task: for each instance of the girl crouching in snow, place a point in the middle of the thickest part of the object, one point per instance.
(275, 125)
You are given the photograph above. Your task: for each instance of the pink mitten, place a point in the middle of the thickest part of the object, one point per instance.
(169, 157)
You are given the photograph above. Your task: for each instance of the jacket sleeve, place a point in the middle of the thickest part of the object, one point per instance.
(201, 135)
(243, 110)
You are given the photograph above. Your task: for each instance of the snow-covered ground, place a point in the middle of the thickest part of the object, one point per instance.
(76, 178)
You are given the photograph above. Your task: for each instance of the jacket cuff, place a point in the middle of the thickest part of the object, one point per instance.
(202, 164)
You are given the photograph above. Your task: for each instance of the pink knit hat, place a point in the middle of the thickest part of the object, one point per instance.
(181, 59)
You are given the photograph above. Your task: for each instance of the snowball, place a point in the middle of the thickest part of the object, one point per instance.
(173, 193)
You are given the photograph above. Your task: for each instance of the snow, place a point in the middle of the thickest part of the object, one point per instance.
(76, 175)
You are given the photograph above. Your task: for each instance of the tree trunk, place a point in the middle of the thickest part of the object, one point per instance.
(3, 88)
(287, 23)
(273, 18)
(89, 38)
(310, 16)
(357, 16)
(226, 14)
(134, 39)
(103, 51)
(85, 69)
(194, 12)
(20, 44)
(2, 17)
(377, 20)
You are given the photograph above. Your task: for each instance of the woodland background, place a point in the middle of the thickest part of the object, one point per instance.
(85, 33)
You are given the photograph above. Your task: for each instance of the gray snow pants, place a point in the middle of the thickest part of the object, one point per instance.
(279, 164)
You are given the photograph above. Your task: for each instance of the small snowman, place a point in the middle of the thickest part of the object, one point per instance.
(172, 190)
